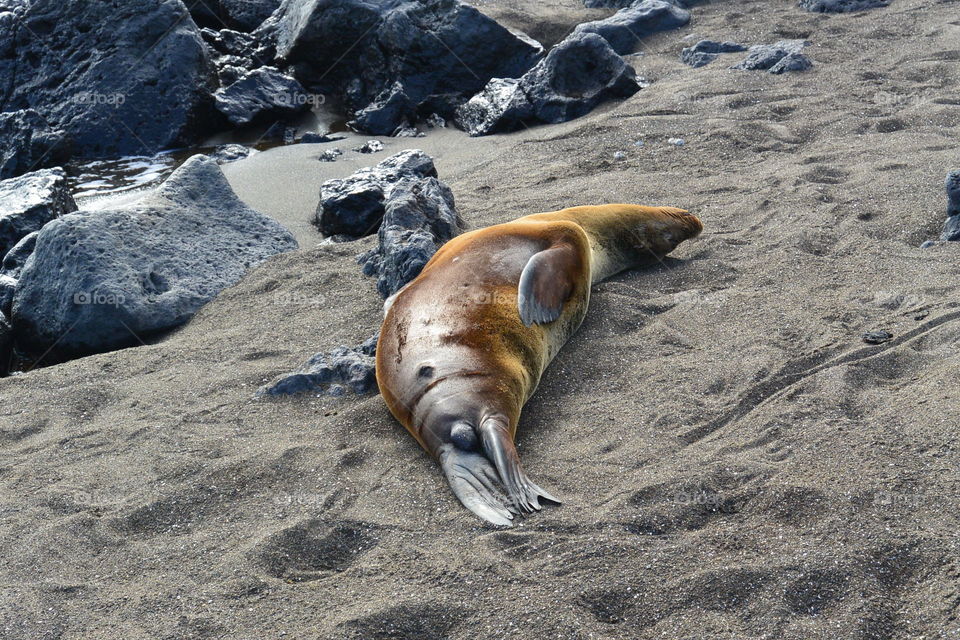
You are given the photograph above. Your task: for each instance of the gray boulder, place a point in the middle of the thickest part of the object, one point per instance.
(381, 117)
(624, 29)
(8, 287)
(706, 51)
(28, 142)
(578, 74)
(118, 78)
(782, 56)
(247, 15)
(105, 279)
(354, 206)
(440, 52)
(227, 153)
(841, 6)
(952, 185)
(16, 258)
(420, 217)
(242, 15)
(30, 201)
(262, 94)
(345, 369)
(6, 344)
(951, 228)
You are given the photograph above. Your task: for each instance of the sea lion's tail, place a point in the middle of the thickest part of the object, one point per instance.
(477, 479)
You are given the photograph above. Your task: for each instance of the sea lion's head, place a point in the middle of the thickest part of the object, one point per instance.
(658, 230)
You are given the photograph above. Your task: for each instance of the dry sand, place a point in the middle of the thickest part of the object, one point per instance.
(735, 461)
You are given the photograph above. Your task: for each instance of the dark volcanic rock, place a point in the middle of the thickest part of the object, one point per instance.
(344, 369)
(952, 185)
(841, 6)
(370, 146)
(104, 279)
(243, 15)
(227, 153)
(420, 217)
(262, 94)
(388, 112)
(706, 51)
(31, 201)
(951, 228)
(8, 286)
(877, 337)
(27, 142)
(785, 55)
(353, 206)
(439, 51)
(118, 78)
(627, 27)
(577, 75)
(6, 344)
(17, 257)
(316, 138)
(330, 155)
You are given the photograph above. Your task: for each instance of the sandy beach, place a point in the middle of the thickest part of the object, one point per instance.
(734, 460)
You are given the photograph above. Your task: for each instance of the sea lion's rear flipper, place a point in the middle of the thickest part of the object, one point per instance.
(474, 482)
(546, 283)
(522, 493)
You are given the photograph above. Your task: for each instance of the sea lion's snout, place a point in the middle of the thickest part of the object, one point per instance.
(690, 225)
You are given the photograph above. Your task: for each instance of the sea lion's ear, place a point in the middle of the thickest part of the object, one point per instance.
(546, 284)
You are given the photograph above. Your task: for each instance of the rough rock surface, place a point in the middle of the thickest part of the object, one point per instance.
(119, 78)
(354, 206)
(242, 15)
(388, 112)
(8, 286)
(626, 28)
(107, 279)
(30, 201)
(345, 369)
(782, 56)
(16, 258)
(261, 94)
(439, 51)
(577, 75)
(706, 51)
(227, 153)
(952, 185)
(6, 343)
(951, 228)
(312, 137)
(841, 6)
(27, 142)
(420, 217)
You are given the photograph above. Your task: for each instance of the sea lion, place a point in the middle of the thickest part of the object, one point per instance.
(463, 345)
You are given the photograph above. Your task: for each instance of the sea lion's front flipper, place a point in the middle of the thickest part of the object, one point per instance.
(498, 445)
(473, 480)
(546, 283)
